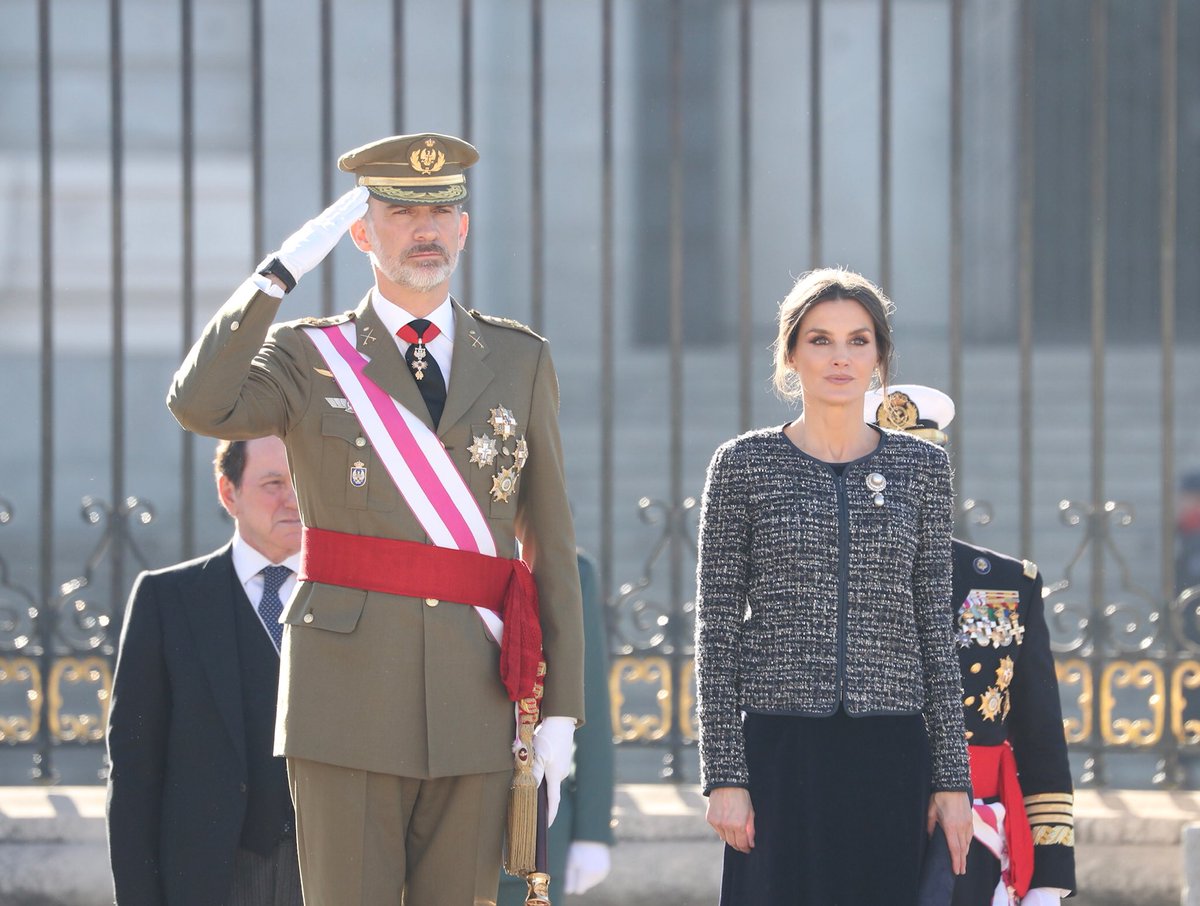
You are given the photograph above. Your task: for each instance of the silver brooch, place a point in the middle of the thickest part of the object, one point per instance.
(876, 483)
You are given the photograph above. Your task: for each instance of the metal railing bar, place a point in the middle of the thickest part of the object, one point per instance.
(187, 144)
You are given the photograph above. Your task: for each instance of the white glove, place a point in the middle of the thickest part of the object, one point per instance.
(308, 246)
(552, 757)
(1043, 896)
(588, 863)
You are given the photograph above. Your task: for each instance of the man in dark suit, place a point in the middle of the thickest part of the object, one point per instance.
(199, 810)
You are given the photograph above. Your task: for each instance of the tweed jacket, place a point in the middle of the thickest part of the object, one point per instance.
(812, 594)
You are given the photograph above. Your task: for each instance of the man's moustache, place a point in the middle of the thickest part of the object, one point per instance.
(431, 247)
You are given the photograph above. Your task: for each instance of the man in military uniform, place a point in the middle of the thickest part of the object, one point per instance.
(423, 443)
(1024, 831)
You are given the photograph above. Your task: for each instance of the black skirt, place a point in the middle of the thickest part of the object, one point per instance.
(840, 806)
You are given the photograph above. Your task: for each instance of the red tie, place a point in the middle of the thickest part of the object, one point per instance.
(409, 334)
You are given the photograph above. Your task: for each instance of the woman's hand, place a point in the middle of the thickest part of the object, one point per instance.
(732, 816)
(953, 812)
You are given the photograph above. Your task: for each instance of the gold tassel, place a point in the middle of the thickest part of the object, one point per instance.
(521, 851)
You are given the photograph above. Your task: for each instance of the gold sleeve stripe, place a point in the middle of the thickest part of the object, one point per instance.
(1045, 807)
(1051, 818)
(1037, 798)
(1050, 836)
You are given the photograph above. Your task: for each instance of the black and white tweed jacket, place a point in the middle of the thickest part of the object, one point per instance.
(810, 595)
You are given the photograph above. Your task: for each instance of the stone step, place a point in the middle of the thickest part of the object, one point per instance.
(52, 848)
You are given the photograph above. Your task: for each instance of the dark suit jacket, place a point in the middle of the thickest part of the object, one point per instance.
(177, 787)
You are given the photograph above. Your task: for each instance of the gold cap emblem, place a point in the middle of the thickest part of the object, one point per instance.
(427, 156)
(897, 411)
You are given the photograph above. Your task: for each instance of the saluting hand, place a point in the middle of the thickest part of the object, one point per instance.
(308, 246)
(732, 816)
(953, 812)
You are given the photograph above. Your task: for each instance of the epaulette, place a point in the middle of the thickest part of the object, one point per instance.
(504, 322)
(325, 322)
(1030, 569)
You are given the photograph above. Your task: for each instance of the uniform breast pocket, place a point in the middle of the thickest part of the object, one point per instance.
(351, 475)
(495, 470)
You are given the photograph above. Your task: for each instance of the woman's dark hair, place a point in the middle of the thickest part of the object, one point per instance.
(823, 285)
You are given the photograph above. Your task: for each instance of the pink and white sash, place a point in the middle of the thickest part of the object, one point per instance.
(988, 826)
(415, 459)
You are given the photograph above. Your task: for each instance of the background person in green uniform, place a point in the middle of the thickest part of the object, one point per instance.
(581, 837)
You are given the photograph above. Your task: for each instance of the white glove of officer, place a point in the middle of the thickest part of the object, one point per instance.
(1043, 896)
(308, 246)
(588, 863)
(552, 757)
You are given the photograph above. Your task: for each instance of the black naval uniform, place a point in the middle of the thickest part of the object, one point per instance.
(1010, 693)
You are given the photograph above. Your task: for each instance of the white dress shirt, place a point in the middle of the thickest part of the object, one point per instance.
(249, 563)
(394, 317)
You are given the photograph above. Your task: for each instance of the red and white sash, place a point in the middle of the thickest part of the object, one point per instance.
(415, 459)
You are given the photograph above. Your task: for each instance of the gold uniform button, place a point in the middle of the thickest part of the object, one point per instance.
(969, 734)
(308, 618)
(969, 700)
(975, 668)
(431, 602)
(360, 441)
(234, 325)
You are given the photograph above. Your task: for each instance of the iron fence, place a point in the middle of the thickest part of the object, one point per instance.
(1129, 659)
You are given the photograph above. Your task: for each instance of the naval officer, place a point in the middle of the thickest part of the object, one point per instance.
(1023, 849)
(424, 446)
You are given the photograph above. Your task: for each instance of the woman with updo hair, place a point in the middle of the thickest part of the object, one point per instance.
(831, 731)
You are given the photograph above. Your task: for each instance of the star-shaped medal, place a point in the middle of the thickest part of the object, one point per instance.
(990, 703)
(504, 483)
(503, 422)
(483, 450)
(1004, 673)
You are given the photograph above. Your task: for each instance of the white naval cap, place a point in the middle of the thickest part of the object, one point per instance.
(915, 408)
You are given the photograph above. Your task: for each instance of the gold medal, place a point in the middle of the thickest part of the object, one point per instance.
(483, 450)
(504, 483)
(1004, 673)
(990, 703)
(503, 422)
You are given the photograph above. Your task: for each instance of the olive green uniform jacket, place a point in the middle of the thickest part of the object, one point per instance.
(374, 681)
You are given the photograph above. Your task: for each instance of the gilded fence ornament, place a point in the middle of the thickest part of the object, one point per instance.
(643, 726)
(1185, 677)
(79, 690)
(1076, 674)
(20, 699)
(1133, 731)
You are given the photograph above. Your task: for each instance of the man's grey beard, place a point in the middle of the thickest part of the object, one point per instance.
(417, 277)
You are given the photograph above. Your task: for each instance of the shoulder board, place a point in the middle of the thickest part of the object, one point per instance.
(1030, 569)
(503, 322)
(325, 322)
